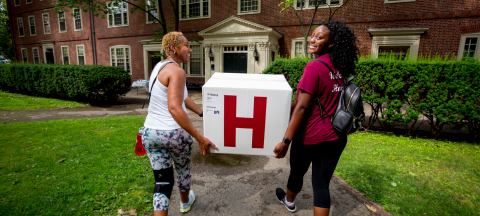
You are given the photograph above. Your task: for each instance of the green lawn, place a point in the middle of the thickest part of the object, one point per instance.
(100, 173)
(10, 101)
(409, 176)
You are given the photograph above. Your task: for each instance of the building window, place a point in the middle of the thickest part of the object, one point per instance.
(77, 15)
(298, 45)
(29, 1)
(62, 22)
(248, 6)
(21, 30)
(195, 66)
(46, 24)
(194, 9)
(119, 14)
(65, 58)
(397, 1)
(36, 58)
(235, 49)
(400, 52)
(310, 4)
(24, 55)
(469, 46)
(80, 55)
(17, 3)
(152, 7)
(120, 56)
(31, 23)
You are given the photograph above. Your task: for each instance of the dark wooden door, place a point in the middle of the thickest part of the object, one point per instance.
(235, 62)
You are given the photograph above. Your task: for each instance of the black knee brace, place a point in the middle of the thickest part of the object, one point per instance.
(164, 181)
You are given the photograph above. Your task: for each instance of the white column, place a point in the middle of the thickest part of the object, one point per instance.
(207, 62)
(264, 53)
(218, 58)
(251, 63)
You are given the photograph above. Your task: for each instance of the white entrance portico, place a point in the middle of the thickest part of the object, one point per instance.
(233, 43)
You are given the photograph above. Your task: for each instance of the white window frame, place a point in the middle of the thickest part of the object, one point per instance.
(397, 1)
(396, 37)
(188, 7)
(239, 8)
(116, 60)
(65, 17)
(26, 1)
(294, 41)
(30, 25)
(308, 7)
(78, 57)
(26, 54)
(74, 19)
(461, 47)
(113, 19)
(49, 23)
(15, 3)
(147, 9)
(18, 27)
(33, 54)
(68, 55)
(202, 61)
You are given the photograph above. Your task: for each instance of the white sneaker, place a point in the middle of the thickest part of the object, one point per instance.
(185, 207)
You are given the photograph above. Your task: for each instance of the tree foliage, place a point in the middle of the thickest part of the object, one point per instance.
(101, 9)
(6, 48)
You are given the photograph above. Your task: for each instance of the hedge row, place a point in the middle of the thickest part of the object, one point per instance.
(400, 92)
(86, 82)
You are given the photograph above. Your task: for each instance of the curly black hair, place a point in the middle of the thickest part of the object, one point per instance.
(344, 53)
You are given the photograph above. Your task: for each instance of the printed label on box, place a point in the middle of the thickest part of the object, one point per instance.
(213, 104)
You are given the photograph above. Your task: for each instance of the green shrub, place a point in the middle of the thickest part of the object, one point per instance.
(291, 68)
(85, 82)
(446, 92)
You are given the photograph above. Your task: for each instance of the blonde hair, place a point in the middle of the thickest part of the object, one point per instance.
(171, 38)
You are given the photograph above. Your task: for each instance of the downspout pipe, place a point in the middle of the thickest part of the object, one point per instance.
(10, 20)
(93, 35)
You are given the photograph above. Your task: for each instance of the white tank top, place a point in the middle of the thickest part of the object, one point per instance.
(159, 118)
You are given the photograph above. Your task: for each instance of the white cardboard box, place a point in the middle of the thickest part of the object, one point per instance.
(246, 113)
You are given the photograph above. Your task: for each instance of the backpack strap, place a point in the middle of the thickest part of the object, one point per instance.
(153, 84)
(317, 99)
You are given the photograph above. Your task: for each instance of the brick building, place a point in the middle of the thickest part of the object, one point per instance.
(234, 31)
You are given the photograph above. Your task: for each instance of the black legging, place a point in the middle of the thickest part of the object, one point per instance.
(324, 158)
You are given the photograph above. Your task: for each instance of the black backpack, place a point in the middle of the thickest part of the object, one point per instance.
(349, 115)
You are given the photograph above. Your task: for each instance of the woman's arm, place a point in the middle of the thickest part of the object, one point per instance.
(303, 103)
(176, 86)
(192, 106)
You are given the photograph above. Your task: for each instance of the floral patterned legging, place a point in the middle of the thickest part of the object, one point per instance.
(163, 146)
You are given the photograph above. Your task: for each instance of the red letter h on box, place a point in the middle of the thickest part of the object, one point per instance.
(257, 123)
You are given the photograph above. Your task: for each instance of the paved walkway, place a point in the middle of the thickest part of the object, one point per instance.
(224, 184)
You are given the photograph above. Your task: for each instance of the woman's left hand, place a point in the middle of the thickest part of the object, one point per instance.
(280, 150)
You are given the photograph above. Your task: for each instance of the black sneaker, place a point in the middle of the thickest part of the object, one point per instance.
(281, 196)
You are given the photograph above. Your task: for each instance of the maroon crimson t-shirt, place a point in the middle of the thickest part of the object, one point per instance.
(319, 82)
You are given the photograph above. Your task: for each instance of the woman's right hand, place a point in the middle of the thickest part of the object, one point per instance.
(204, 144)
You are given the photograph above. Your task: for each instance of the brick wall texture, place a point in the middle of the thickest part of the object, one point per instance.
(446, 21)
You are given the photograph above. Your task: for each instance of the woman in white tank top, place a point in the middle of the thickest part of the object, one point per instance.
(168, 131)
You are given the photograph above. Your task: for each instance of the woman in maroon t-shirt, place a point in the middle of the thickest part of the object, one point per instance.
(314, 140)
